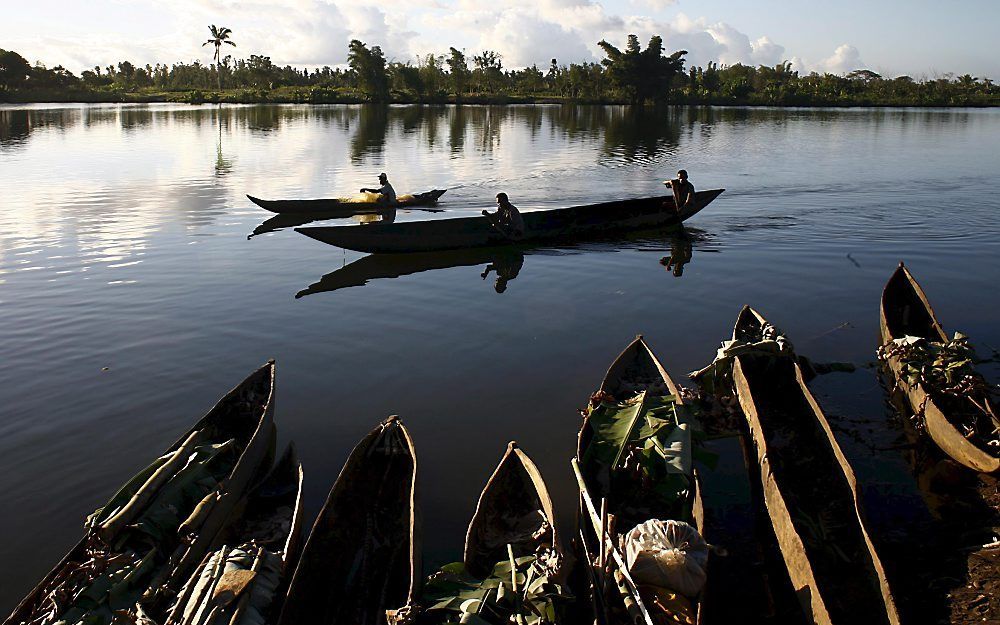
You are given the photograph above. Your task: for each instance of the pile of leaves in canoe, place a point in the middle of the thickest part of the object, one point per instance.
(947, 373)
(132, 539)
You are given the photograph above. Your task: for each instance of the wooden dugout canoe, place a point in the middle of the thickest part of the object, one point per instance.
(465, 232)
(811, 495)
(331, 208)
(905, 310)
(514, 508)
(267, 524)
(363, 554)
(635, 370)
(245, 415)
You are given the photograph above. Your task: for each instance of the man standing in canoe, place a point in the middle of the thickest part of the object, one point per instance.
(507, 219)
(387, 195)
(683, 190)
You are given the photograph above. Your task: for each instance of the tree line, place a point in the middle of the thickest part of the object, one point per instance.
(631, 75)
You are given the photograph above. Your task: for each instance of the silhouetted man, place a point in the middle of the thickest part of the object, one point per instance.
(683, 190)
(387, 195)
(507, 219)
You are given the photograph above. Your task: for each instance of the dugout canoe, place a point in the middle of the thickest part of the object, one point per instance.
(256, 551)
(811, 493)
(363, 554)
(635, 372)
(335, 207)
(906, 311)
(514, 508)
(464, 232)
(243, 416)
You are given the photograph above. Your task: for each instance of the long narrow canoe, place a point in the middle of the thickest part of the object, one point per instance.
(235, 439)
(363, 554)
(905, 311)
(258, 547)
(514, 509)
(612, 502)
(462, 232)
(811, 494)
(334, 207)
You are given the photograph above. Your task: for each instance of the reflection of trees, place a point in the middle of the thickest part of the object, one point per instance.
(640, 133)
(17, 125)
(456, 131)
(369, 138)
(133, 118)
(14, 127)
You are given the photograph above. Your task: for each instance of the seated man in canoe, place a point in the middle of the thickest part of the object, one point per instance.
(507, 219)
(387, 195)
(683, 190)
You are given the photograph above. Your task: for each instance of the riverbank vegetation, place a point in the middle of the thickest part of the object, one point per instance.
(630, 75)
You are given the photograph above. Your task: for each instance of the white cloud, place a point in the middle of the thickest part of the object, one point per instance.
(845, 59)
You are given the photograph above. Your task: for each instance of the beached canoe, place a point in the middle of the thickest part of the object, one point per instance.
(810, 491)
(637, 409)
(514, 509)
(363, 554)
(339, 207)
(905, 311)
(163, 521)
(463, 232)
(256, 551)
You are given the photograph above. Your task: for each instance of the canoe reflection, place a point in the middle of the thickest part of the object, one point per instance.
(288, 220)
(504, 262)
(507, 262)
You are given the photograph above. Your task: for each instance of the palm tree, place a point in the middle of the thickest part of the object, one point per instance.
(219, 37)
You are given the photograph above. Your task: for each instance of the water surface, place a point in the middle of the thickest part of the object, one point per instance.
(131, 298)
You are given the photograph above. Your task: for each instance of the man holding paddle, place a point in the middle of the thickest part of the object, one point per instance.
(683, 190)
(507, 219)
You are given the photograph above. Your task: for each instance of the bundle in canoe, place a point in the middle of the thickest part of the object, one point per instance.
(634, 469)
(514, 563)
(906, 312)
(462, 232)
(346, 207)
(810, 491)
(363, 555)
(161, 523)
(243, 582)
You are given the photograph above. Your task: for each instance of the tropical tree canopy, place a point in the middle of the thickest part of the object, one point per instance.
(369, 67)
(642, 74)
(14, 70)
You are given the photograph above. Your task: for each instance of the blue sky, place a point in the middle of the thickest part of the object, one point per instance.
(915, 37)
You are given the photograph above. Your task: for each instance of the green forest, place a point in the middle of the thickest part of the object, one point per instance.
(633, 75)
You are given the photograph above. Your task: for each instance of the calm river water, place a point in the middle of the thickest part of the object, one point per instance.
(131, 298)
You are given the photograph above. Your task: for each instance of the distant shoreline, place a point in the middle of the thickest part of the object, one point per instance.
(291, 96)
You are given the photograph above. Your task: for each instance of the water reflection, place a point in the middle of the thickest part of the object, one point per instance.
(504, 262)
(681, 250)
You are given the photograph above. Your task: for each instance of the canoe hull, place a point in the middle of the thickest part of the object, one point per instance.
(807, 583)
(363, 553)
(332, 207)
(938, 426)
(485, 544)
(467, 232)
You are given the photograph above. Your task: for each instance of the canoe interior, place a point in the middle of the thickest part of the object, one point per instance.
(514, 508)
(270, 517)
(635, 370)
(361, 557)
(806, 480)
(244, 415)
(546, 225)
(906, 310)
